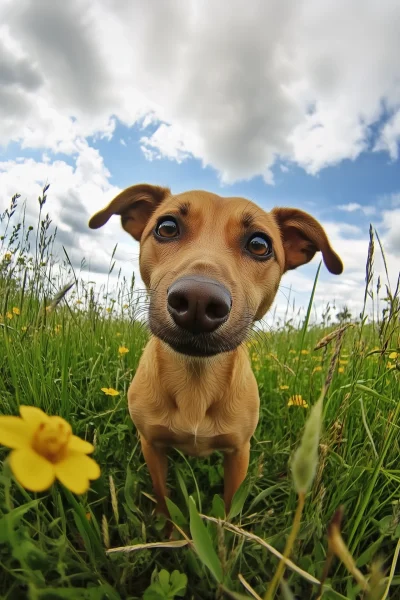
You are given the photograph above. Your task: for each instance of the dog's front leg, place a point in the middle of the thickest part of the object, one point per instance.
(236, 465)
(157, 463)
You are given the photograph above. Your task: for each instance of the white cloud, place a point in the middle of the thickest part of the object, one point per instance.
(76, 192)
(354, 206)
(235, 86)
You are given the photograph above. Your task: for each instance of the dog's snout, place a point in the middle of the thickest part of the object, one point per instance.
(198, 304)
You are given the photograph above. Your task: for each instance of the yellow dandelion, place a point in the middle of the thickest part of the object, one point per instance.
(24, 328)
(7, 256)
(317, 369)
(44, 449)
(283, 387)
(122, 350)
(79, 302)
(9, 315)
(110, 391)
(297, 400)
(16, 310)
(343, 362)
(390, 365)
(341, 370)
(305, 351)
(57, 329)
(393, 355)
(118, 334)
(108, 309)
(292, 351)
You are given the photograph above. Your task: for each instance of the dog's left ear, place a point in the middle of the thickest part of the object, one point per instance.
(135, 206)
(302, 237)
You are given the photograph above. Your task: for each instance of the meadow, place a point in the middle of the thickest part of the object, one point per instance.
(73, 352)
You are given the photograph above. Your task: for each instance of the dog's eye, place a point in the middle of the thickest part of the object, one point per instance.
(167, 228)
(259, 245)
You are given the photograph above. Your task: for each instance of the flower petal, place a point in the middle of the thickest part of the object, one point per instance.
(14, 432)
(78, 445)
(75, 471)
(33, 416)
(33, 472)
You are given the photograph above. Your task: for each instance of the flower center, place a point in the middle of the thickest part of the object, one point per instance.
(51, 439)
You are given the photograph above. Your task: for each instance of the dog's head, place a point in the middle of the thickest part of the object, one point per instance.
(212, 265)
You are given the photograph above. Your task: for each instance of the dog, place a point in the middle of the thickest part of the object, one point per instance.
(212, 267)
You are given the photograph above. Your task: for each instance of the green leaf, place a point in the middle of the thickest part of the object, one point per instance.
(129, 490)
(178, 583)
(182, 486)
(264, 494)
(176, 514)
(163, 578)
(239, 499)
(202, 543)
(12, 518)
(218, 507)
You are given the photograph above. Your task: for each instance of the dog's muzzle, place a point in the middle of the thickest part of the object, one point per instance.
(198, 305)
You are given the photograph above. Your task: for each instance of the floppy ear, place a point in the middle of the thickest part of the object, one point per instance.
(302, 237)
(135, 206)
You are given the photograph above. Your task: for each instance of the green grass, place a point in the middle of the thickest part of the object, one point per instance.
(53, 544)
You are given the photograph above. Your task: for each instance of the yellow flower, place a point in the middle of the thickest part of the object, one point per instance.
(319, 358)
(305, 352)
(16, 310)
(125, 306)
(343, 362)
(122, 350)
(390, 365)
(292, 351)
(44, 448)
(24, 328)
(297, 400)
(110, 391)
(283, 387)
(7, 256)
(118, 334)
(57, 329)
(341, 370)
(393, 355)
(316, 369)
(9, 315)
(108, 309)
(79, 302)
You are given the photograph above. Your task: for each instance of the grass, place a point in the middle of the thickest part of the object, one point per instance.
(54, 544)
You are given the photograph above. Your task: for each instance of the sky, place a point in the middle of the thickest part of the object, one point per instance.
(284, 103)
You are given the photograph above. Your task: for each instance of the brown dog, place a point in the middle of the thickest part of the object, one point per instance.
(212, 267)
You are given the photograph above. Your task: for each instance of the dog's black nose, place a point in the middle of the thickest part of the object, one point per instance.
(198, 304)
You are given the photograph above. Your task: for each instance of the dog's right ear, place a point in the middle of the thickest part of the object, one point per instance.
(135, 206)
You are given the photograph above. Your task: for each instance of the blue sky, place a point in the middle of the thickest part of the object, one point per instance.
(284, 105)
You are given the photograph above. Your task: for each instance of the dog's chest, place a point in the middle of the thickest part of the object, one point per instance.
(195, 424)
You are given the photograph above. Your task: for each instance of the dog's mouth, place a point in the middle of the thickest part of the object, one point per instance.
(199, 345)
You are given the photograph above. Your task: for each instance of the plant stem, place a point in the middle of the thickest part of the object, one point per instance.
(288, 548)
